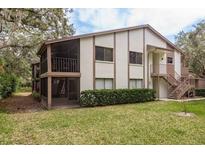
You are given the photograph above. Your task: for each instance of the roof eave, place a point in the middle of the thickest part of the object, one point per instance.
(165, 39)
(95, 34)
(41, 48)
(108, 32)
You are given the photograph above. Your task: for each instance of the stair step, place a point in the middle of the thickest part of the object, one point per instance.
(180, 86)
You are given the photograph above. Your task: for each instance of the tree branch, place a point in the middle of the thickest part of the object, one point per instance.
(18, 46)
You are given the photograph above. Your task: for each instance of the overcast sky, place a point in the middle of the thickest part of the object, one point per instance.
(167, 21)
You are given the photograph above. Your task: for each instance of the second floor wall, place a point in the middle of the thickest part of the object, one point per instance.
(121, 69)
(120, 56)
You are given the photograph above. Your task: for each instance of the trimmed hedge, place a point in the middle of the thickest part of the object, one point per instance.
(200, 92)
(118, 96)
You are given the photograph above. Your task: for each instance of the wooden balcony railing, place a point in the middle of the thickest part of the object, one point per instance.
(158, 69)
(60, 64)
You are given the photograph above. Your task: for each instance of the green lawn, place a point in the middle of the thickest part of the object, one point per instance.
(144, 123)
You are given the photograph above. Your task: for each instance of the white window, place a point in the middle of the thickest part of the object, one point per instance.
(135, 83)
(99, 83)
(108, 83)
(104, 83)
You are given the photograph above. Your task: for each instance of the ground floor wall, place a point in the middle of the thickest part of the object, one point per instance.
(66, 90)
(161, 87)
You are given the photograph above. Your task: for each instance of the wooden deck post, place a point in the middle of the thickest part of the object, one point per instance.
(49, 93)
(49, 100)
(158, 85)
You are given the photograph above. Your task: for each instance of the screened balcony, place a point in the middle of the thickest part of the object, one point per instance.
(65, 56)
(43, 62)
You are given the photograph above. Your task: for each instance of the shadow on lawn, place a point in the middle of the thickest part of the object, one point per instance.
(20, 103)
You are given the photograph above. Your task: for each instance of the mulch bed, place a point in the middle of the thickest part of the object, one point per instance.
(20, 102)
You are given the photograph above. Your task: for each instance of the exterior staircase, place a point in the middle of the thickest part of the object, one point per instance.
(178, 87)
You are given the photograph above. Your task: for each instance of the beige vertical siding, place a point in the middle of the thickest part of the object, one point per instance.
(86, 63)
(152, 39)
(136, 45)
(150, 80)
(105, 40)
(122, 60)
(104, 69)
(136, 40)
(162, 89)
(136, 71)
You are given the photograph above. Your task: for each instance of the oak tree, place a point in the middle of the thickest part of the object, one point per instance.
(23, 30)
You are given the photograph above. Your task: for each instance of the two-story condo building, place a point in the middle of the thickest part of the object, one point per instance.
(134, 57)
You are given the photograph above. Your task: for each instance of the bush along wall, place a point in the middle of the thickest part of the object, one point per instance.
(117, 96)
(200, 92)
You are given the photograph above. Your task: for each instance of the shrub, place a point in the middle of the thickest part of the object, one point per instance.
(200, 92)
(8, 84)
(118, 96)
(36, 96)
(26, 84)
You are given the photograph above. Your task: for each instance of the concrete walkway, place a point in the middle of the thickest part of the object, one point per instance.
(185, 99)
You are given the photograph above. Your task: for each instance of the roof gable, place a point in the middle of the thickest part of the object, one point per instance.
(169, 43)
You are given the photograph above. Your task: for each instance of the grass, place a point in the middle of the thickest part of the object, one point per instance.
(6, 127)
(144, 123)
